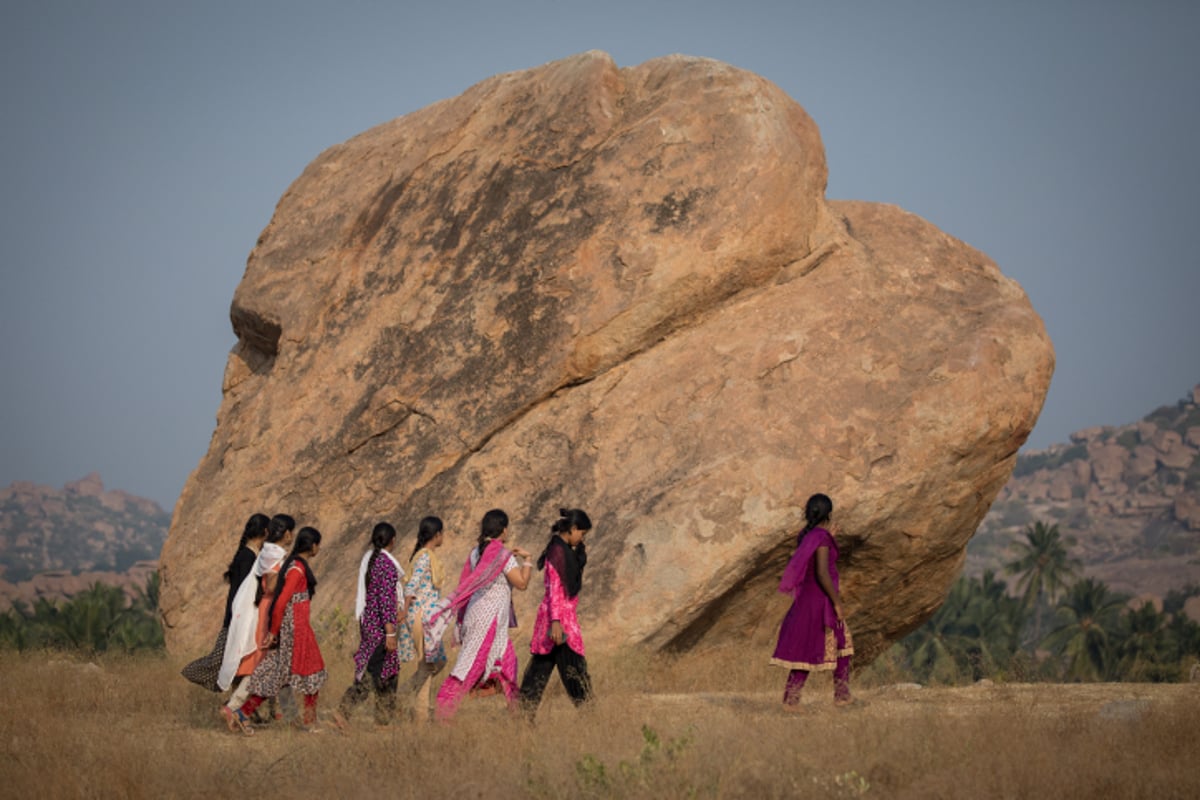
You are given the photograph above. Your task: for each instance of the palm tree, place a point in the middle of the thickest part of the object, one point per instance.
(1089, 616)
(1044, 568)
(934, 648)
(995, 620)
(972, 634)
(141, 627)
(14, 628)
(1144, 643)
(89, 618)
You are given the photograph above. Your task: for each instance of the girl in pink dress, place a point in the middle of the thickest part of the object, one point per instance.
(557, 641)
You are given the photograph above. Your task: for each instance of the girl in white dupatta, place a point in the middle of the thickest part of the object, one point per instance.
(379, 607)
(245, 643)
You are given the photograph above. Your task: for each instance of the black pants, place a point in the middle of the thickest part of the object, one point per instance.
(385, 697)
(572, 670)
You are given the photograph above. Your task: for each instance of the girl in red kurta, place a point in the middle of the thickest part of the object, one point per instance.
(293, 657)
(557, 641)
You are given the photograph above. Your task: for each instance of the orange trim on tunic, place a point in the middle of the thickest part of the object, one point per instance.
(832, 654)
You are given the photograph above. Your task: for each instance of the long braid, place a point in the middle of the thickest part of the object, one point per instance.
(305, 540)
(427, 531)
(816, 511)
(382, 536)
(494, 523)
(256, 527)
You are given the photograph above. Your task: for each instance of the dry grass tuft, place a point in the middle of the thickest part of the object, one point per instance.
(707, 725)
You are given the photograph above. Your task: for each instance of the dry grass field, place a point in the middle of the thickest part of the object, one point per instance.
(708, 725)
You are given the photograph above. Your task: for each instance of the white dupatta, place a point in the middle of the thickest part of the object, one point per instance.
(360, 599)
(241, 640)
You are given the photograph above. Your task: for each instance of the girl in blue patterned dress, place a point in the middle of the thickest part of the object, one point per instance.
(421, 593)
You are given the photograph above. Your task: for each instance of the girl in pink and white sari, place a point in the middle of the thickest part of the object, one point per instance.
(482, 607)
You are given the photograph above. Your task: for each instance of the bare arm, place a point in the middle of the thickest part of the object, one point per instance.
(519, 578)
(826, 582)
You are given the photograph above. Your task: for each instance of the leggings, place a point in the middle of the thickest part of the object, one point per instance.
(419, 685)
(841, 682)
(240, 694)
(310, 707)
(572, 671)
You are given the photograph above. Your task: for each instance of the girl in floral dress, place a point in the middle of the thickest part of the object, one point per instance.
(380, 611)
(422, 593)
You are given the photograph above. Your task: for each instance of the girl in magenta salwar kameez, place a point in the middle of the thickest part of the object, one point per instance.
(814, 636)
(482, 606)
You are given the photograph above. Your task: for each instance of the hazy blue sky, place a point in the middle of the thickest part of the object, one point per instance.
(144, 146)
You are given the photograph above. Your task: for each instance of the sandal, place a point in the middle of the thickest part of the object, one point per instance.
(236, 721)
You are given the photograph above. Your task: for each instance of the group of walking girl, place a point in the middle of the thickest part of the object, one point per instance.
(267, 643)
(267, 649)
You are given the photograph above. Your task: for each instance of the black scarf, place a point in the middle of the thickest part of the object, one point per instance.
(567, 561)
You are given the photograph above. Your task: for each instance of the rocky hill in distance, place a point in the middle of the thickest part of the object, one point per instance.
(56, 542)
(1126, 497)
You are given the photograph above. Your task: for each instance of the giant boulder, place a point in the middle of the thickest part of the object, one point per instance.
(624, 290)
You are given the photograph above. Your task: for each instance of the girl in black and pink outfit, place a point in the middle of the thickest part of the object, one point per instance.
(557, 641)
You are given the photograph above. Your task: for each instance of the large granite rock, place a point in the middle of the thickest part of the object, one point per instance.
(620, 289)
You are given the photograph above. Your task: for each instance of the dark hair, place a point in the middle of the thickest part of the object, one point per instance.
(569, 518)
(429, 528)
(382, 536)
(256, 528)
(494, 523)
(568, 560)
(278, 527)
(306, 539)
(816, 510)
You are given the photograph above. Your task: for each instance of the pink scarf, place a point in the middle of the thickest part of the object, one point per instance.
(796, 571)
(490, 565)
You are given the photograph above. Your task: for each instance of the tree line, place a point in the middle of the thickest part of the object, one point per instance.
(98, 619)
(1058, 626)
